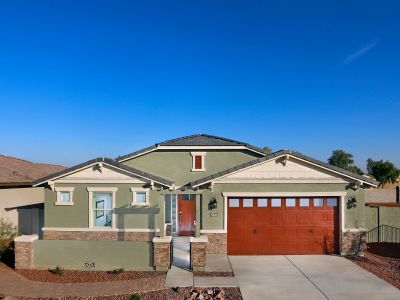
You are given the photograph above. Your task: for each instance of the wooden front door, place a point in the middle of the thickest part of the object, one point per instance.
(306, 225)
(186, 214)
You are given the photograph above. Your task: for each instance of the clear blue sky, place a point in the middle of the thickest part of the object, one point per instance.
(81, 79)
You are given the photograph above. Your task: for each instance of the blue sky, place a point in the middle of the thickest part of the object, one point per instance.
(81, 79)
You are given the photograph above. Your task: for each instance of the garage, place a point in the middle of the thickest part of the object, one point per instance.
(277, 225)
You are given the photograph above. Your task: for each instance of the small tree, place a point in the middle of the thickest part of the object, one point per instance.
(8, 231)
(383, 171)
(344, 160)
(267, 149)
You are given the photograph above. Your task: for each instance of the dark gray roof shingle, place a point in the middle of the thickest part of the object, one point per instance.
(277, 154)
(194, 140)
(110, 162)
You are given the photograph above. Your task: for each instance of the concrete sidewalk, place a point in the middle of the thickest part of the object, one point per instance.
(311, 277)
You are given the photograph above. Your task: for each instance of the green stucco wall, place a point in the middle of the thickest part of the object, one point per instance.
(127, 216)
(176, 165)
(106, 255)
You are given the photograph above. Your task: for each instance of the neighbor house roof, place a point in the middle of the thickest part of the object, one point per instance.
(298, 155)
(107, 161)
(16, 172)
(196, 140)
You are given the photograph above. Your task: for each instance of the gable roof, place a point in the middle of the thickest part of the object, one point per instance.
(16, 171)
(109, 162)
(195, 140)
(280, 153)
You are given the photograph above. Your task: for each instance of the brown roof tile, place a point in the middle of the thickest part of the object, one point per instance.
(15, 170)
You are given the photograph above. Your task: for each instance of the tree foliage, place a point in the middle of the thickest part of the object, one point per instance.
(344, 160)
(267, 149)
(383, 171)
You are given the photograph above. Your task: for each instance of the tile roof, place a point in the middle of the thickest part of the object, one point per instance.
(110, 162)
(195, 140)
(14, 171)
(277, 154)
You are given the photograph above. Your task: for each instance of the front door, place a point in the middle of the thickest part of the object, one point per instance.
(186, 214)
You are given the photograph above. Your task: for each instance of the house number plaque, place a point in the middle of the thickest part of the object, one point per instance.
(213, 214)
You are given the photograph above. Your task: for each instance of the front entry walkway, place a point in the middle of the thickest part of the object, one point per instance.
(318, 277)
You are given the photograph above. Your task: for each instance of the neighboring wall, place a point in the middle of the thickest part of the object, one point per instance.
(176, 165)
(13, 198)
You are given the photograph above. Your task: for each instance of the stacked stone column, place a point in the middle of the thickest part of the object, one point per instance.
(162, 253)
(24, 251)
(198, 251)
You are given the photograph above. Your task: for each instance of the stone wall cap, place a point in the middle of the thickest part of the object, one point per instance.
(200, 239)
(164, 239)
(355, 229)
(26, 238)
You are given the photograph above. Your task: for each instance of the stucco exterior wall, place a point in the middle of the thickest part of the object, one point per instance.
(127, 216)
(12, 198)
(177, 164)
(93, 255)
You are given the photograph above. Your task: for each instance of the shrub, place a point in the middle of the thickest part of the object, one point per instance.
(118, 271)
(136, 297)
(57, 270)
(8, 231)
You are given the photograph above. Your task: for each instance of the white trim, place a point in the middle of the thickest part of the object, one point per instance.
(82, 180)
(283, 194)
(192, 148)
(213, 231)
(136, 190)
(280, 181)
(111, 190)
(286, 155)
(59, 190)
(200, 239)
(91, 165)
(96, 229)
(26, 238)
(164, 239)
(202, 155)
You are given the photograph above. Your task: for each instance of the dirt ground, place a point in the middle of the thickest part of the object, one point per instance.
(384, 267)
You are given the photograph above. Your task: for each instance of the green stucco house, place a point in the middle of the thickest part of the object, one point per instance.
(229, 196)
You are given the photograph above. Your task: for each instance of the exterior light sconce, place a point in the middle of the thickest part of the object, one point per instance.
(212, 204)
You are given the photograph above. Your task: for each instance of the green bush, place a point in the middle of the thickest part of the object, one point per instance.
(8, 231)
(136, 297)
(118, 271)
(57, 270)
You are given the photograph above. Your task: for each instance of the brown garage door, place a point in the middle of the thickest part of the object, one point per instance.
(303, 225)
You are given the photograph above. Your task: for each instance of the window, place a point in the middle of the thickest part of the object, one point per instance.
(140, 196)
(318, 202)
(248, 202)
(64, 195)
(304, 202)
(198, 161)
(262, 202)
(233, 202)
(102, 209)
(290, 202)
(332, 201)
(276, 202)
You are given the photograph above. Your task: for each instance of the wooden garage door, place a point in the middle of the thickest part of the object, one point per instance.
(302, 225)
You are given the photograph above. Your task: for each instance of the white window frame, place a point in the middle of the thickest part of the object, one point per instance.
(69, 190)
(111, 190)
(141, 190)
(202, 154)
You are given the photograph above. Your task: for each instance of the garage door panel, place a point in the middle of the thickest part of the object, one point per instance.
(283, 230)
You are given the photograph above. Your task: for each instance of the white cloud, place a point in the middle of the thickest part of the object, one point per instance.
(358, 53)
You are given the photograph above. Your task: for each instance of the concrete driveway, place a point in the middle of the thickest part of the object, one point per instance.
(307, 277)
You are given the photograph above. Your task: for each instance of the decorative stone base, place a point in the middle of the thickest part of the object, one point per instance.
(162, 253)
(354, 242)
(217, 243)
(98, 235)
(24, 251)
(198, 251)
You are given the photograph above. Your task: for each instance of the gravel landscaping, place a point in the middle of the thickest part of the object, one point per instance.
(384, 267)
(179, 294)
(70, 276)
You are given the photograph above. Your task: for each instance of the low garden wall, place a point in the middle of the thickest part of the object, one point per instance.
(93, 255)
(384, 249)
